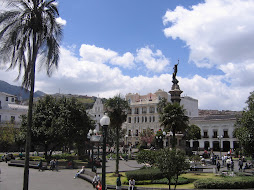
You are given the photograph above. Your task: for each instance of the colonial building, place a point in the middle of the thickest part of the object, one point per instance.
(216, 130)
(143, 114)
(10, 111)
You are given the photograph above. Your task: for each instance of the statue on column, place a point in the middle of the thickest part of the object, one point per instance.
(175, 81)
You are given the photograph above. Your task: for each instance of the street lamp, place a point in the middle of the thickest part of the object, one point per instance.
(126, 137)
(89, 135)
(220, 137)
(105, 121)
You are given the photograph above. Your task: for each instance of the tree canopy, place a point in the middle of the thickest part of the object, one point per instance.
(59, 122)
(173, 118)
(244, 130)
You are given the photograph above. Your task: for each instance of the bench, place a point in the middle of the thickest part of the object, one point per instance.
(32, 164)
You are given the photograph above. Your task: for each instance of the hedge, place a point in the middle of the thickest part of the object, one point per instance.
(225, 183)
(181, 181)
(144, 174)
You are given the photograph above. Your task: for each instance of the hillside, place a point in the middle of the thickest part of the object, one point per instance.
(17, 90)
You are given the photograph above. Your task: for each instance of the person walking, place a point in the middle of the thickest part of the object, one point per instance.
(218, 166)
(240, 163)
(131, 184)
(40, 165)
(118, 182)
(96, 180)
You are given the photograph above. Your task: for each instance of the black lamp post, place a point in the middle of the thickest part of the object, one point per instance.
(89, 135)
(105, 121)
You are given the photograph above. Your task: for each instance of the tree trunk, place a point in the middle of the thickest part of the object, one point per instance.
(169, 181)
(30, 113)
(117, 150)
(174, 137)
(28, 133)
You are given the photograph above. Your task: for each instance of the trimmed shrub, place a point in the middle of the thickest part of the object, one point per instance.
(181, 181)
(225, 183)
(144, 174)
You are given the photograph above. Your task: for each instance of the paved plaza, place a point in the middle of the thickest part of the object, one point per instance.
(11, 178)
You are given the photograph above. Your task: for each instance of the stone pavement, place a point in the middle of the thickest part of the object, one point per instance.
(11, 178)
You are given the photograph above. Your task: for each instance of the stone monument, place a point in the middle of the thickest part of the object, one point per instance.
(175, 89)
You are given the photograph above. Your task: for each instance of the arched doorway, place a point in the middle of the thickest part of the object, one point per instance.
(195, 145)
(216, 145)
(206, 145)
(226, 146)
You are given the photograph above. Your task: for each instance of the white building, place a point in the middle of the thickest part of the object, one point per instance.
(97, 112)
(9, 110)
(143, 113)
(216, 132)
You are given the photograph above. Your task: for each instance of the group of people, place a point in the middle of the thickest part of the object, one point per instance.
(53, 164)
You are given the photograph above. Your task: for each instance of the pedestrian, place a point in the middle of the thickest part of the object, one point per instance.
(99, 186)
(96, 180)
(228, 162)
(52, 164)
(232, 165)
(118, 182)
(40, 165)
(56, 165)
(240, 165)
(218, 166)
(80, 172)
(131, 184)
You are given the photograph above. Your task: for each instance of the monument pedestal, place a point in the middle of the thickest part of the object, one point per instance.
(175, 93)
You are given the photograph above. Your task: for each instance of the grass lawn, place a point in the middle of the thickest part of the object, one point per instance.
(111, 180)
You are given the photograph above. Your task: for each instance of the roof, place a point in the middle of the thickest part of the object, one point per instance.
(6, 94)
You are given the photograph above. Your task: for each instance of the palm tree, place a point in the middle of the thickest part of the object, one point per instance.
(174, 119)
(28, 28)
(117, 111)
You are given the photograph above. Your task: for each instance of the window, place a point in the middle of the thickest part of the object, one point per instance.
(134, 119)
(12, 119)
(129, 133)
(0, 105)
(151, 110)
(0, 118)
(215, 134)
(6, 99)
(144, 110)
(153, 118)
(138, 119)
(12, 99)
(150, 119)
(145, 119)
(136, 110)
(136, 133)
(129, 119)
(205, 134)
(226, 134)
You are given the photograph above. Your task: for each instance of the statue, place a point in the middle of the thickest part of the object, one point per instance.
(175, 81)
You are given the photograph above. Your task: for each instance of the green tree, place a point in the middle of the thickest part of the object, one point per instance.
(117, 111)
(193, 132)
(147, 156)
(172, 163)
(58, 122)
(173, 118)
(29, 29)
(244, 130)
(7, 136)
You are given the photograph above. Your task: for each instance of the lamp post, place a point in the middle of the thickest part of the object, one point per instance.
(105, 121)
(126, 138)
(220, 137)
(89, 135)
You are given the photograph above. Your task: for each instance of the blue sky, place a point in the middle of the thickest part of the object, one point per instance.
(120, 46)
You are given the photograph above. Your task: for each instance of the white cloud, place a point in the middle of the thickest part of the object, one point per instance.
(61, 21)
(216, 31)
(126, 61)
(84, 76)
(153, 61)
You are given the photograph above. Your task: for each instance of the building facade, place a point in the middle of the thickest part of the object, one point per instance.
(97, 112)
(216, 132)
(10, 111)
(143, 114)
